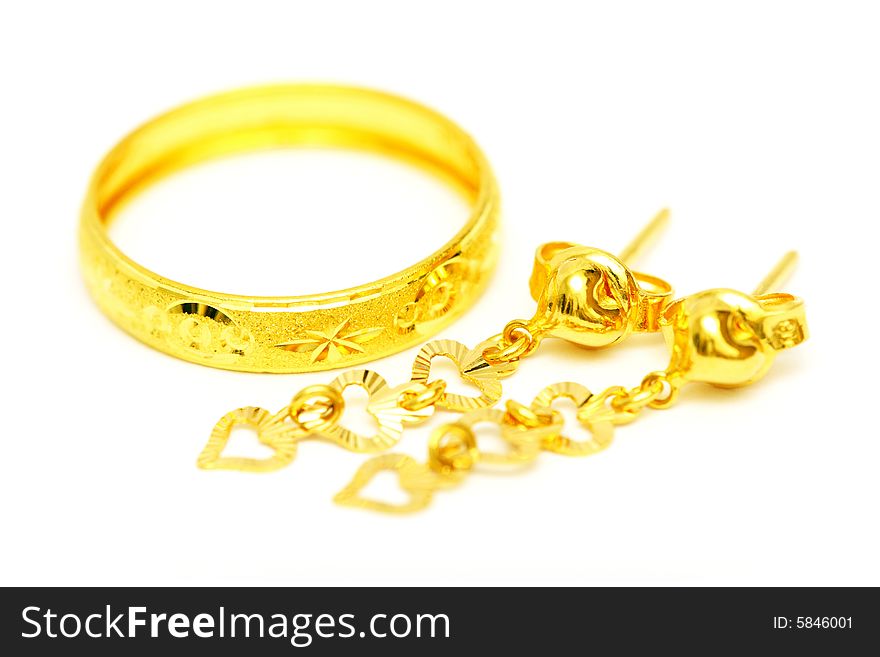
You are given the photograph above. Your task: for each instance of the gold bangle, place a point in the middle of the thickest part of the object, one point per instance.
(295, 333)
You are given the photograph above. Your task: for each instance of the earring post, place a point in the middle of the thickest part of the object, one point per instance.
(646, 237)
(778, 275)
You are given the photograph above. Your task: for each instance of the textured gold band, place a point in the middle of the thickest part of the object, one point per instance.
(295, 333)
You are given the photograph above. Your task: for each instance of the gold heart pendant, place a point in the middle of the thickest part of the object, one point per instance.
(472, 367)
(520, 448)
(414, 478)
(602, 430)
(272, 431)
(383, 405)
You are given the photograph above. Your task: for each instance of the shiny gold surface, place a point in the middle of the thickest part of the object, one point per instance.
(589, 297)
(723, 337)
(290, 333)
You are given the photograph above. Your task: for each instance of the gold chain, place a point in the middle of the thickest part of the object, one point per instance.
(317, 410)
(621, 405)
(767, 323)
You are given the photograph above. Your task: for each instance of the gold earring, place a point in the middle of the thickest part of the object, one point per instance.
(589, 297)
(728, 338)
(721, 336)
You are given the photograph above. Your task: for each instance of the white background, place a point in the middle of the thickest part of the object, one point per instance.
(758, 126)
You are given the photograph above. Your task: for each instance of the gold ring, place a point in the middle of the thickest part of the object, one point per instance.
(290, 333)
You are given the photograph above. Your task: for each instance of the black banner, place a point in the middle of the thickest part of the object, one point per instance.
(429, 621)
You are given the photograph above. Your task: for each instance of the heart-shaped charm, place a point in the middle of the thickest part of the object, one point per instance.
(472, 367)
(602, 430)
(383, 405)
(414, 478)
(272, 431)
(521, 448)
